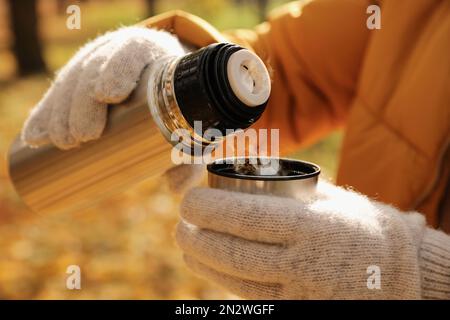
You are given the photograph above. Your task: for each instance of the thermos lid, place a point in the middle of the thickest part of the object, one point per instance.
(222, 85)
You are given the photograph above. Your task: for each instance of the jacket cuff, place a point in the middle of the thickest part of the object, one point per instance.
(434, 262)
(189, 28)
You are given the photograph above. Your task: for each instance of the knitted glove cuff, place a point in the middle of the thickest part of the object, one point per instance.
(434, 260)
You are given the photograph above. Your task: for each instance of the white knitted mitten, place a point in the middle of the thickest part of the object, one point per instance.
(104, 71)
(329, 247)
(184, 177)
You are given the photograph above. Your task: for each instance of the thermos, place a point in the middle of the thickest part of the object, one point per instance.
(222, 85)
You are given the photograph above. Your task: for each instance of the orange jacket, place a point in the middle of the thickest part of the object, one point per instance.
(389, 87)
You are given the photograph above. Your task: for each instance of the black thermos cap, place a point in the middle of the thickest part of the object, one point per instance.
(203, 91)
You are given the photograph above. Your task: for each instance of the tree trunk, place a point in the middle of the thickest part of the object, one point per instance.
(151, 7)
(27, 46)
(61, 6)
(262, 8)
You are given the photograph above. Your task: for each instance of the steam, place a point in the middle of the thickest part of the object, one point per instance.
(259, 167)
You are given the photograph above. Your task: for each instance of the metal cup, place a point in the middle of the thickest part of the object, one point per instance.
(292, 178)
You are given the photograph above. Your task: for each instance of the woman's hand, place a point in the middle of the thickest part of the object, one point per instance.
(266, 247)
(105, 71)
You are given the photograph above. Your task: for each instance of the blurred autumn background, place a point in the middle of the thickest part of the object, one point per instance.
(124, 246)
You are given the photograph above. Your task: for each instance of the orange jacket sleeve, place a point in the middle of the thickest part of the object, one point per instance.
(314, 50)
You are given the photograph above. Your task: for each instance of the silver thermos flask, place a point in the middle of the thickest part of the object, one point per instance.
(222, 85)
